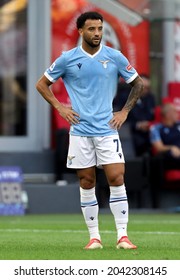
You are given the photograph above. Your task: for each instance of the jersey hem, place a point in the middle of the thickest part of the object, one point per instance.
(94, 135)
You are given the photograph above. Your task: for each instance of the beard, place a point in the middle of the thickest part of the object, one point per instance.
(91, 43)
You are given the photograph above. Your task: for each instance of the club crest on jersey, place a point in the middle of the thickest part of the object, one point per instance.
(104, 63)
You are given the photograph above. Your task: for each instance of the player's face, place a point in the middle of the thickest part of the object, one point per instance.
(92, 33)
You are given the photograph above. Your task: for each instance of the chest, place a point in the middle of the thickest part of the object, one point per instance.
(91, 68)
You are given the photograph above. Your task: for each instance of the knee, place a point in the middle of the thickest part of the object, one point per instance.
(87, 181)
(116, 180)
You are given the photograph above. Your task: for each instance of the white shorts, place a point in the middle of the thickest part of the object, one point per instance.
(85, 151)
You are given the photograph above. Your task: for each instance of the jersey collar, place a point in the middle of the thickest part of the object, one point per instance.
(90, 55)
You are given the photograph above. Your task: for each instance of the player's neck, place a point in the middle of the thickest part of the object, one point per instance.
(89, 49)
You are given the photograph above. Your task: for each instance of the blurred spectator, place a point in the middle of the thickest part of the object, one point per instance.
(140, 118)
(165, 137)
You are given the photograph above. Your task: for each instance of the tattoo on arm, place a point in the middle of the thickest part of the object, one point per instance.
(134, 95)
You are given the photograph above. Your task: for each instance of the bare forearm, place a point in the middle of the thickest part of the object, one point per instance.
(43, 87)
(161, 147)
(47, 94)
(134, 95)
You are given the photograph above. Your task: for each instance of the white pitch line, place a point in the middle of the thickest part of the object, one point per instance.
(84, 231)
(174, 222)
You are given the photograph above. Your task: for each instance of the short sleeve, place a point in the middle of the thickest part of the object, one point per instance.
(57, 69)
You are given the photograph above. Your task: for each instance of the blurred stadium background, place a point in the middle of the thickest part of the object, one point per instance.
(34, 139)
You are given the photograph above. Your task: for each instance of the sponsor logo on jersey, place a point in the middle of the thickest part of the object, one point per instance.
(79, 65)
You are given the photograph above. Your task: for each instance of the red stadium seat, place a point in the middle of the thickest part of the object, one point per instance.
(172, 175)
(174, 95)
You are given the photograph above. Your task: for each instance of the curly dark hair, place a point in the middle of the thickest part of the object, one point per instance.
(88, 15)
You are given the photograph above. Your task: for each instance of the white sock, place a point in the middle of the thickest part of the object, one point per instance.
(119, 207)
(90, 210)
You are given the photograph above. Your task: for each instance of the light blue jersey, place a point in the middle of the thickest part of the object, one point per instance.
(91, 82)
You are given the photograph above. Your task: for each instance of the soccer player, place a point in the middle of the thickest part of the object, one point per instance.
(90, 73)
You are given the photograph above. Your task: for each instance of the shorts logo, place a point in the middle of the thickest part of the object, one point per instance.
(70, 158)
(129, 67)
(120, 155)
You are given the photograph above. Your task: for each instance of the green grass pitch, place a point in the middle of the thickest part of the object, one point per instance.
(63, 237)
